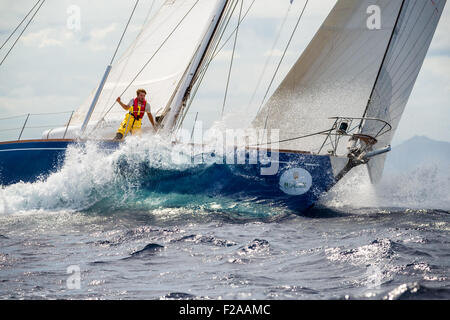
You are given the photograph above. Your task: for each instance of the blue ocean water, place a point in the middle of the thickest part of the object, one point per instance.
(360, 242)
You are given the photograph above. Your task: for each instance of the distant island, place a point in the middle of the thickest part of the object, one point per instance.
(416, 175)
(417, 152)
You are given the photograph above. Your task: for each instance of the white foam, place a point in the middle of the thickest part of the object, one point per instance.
(88, 175)
(426, 187)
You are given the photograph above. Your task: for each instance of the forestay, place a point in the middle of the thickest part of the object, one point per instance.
(409, 46)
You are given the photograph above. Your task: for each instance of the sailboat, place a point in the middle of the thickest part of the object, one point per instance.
(338, 107)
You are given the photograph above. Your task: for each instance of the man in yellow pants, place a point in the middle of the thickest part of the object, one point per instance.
(133, 120)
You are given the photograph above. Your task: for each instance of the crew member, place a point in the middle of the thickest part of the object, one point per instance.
(133, 120)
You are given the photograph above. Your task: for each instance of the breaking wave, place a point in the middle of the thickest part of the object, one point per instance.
(95, 179)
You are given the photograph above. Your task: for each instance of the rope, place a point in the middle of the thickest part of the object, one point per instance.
(26, 26)
(215, 52)
(221, 31)
(281, 60)
(35, 114)
(127, 58)
(277, 38)
(19, 25)
(292, 139)
(148, 61)
(199, 79)
(124, 31)
(232, 59)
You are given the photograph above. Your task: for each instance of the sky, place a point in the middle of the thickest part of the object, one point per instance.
(56, 63)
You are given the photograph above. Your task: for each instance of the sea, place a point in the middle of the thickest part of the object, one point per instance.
(89, 232)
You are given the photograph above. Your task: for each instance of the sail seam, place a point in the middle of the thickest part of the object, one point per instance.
(382, 63)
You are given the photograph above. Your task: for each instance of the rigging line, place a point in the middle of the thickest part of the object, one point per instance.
(19, 25)
(281, 61)
(292, 139)
(389, 56)
(270, 55)
(148, 61)
(216, 52)
(213, 54)
(383, 86)
(408, 81)
(14, 117)
(217, 29)
(202, 71)
(128, 58)
(221, 31)
(35, 114)
(26, 26)
(235, 29)
(382, 63)
(341, 40)
(201, 74)
(232, 59)
(415, 43)
(124, 31)
(409, 34)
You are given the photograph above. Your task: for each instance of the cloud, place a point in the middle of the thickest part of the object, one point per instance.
(47, 37)
(225, 56)
(439, 67)
(101, 33)
(277, 53)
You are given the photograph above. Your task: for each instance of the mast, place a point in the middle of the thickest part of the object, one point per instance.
(182, 94)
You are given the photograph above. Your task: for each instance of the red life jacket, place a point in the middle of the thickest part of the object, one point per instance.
(138, 115)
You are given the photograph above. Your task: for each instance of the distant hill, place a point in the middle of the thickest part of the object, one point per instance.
(416, 152)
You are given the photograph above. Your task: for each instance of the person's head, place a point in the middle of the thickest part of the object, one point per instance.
(141, 93)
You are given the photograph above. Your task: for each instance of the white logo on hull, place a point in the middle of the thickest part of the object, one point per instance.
(295, 182)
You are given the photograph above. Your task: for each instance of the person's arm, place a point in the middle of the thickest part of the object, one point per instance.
(150, 117)
(123, 105)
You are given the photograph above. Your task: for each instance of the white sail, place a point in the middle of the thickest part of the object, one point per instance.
(334, 76)
(172, 38)
(409, 46)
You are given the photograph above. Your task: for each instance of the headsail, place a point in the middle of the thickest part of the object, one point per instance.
(409, 46)
(172, 38)
(334, 76)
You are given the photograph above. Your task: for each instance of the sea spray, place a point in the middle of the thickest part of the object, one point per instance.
(90, 174)
(424, 187)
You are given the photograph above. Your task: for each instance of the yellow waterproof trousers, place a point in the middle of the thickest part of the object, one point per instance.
(130, 125)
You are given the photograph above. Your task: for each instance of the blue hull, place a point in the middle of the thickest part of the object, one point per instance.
(297, 184)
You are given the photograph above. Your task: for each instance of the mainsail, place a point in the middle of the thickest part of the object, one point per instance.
(404, 58)
(169, 41)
